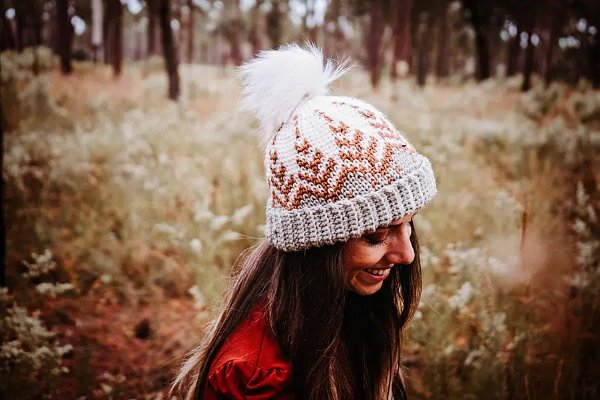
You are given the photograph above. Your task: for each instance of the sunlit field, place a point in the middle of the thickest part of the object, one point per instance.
(125, 213)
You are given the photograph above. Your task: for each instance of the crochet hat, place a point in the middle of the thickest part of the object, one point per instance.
(336, 167)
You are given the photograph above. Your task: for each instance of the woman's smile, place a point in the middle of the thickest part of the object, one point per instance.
(374, 276)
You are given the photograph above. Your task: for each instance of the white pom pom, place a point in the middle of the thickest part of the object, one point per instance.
(277, 81)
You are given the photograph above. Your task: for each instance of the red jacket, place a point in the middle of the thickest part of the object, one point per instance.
(250, 364)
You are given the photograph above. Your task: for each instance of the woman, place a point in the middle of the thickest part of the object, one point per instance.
(316, 310)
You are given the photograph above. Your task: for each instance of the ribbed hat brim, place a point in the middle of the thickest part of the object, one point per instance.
(303, 228)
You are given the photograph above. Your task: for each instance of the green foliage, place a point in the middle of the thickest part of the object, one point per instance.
(581, 104)
(144, 196)
(25, 96)
(30, 358)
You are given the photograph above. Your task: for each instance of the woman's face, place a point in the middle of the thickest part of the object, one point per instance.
(368, 259)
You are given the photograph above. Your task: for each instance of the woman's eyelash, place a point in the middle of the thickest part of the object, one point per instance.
(374, 241)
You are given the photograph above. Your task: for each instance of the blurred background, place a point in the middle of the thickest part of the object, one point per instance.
(131, 182)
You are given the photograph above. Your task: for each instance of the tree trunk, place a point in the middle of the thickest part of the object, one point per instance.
(35, 22)
(7, 39)
(401, 35)
(480, 19)
(2, 224)
(549, 26)
(97, 36)
(65, 32)
(552, 38)
(422, 51)
(333, 39)
(28, 23)
(106, 35)
(114, 37)
(257, 28)
(593, 51)
(512, 55)
(374, 42)
(20, 17)
(138, 34)
(310, 31)
(235, 50)
(441, 62)
(594, 62)
(168, 46)
(151, 27)
(177, 34)
(118, 38)
(236, 28)
(529, 24)
(274, 31)
(191, 32)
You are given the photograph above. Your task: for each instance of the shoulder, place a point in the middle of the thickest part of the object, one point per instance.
(240, 379)
(250, 364)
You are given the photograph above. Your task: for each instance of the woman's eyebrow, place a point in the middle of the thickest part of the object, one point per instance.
(399, 223)
(378, 230)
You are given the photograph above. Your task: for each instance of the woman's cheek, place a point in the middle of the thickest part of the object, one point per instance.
(366, 258)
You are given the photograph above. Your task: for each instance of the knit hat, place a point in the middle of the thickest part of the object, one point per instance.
(336, 167)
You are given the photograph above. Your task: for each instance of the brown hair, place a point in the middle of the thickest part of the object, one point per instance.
(342, 345)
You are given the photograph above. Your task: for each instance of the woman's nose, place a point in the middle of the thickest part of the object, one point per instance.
(400, 250)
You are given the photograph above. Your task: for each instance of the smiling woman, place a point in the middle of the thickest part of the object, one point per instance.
(316, 310)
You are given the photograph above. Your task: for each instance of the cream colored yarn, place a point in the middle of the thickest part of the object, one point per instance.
(336, 167)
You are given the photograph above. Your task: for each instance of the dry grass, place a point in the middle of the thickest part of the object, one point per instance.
(141, 199)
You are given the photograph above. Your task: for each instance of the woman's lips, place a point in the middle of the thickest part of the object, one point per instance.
(374, 276)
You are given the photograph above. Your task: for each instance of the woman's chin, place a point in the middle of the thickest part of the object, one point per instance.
(365, 289)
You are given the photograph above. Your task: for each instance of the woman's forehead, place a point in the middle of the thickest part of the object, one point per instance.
(398, 221)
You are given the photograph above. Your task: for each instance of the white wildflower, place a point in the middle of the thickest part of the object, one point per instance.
(41, 265)
(592, 216)
(581, 196)
(218, 222)
(464, 258)
(230, 235)
(429, 291)
(497, 267)
(167, 229)
(587, 252)
(493, 324)
(579, 280)
(202, 214)
(516, 340)
(136, 171)
(428, 259)
(474, 358)
(106, 388)
(163, 158)
(53, 289)
(239, 215)
(30, 352)
(462, 297)
(199, 300)
(151, 183)
(580, 227)
(505, 200)
(448, 350)
(196, 245)
(64, 350)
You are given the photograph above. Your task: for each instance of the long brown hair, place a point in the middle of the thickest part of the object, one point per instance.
(342, 345)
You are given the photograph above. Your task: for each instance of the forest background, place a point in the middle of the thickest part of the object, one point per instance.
(131, 182)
